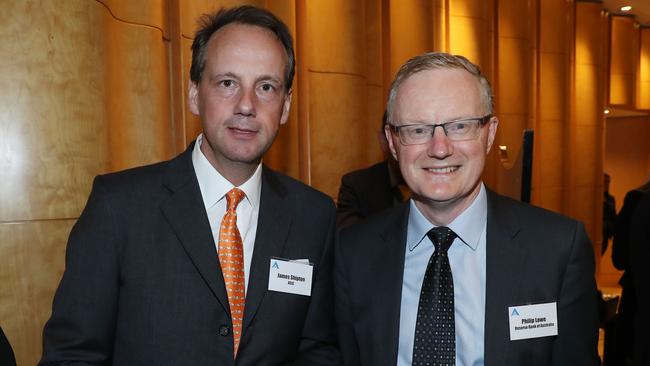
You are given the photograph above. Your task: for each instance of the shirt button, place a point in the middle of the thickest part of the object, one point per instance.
(224, 330)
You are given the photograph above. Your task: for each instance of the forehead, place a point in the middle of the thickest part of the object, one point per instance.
(439, 94)
(239, 45)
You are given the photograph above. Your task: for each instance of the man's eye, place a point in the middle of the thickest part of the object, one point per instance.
(267, 87)
(227, 83)
(419, 130)
(458, 126)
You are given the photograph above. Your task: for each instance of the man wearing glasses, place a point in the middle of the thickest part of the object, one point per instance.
(460, 275)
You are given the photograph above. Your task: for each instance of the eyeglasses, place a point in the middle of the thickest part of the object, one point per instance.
(459, 130)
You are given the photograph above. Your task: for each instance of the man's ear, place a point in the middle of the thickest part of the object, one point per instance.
(391, 142)
(492, 132)
(286, 107)
(193, 97)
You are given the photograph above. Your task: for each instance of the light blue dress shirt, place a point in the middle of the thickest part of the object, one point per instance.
(467, 261)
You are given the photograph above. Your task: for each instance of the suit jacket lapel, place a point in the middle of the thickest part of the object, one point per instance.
(386, 290)
(185, 212)
(504, 260)
(276, 211)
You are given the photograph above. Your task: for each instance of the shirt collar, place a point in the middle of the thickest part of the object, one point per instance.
(214, 186)
(469, 225)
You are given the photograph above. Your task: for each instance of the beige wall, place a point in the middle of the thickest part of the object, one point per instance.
(99, 86)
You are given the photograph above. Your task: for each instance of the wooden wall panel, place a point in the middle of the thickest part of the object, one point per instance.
(513, 84)
(31, 265)
(54, 135)
(83, 93)
(585, 183)
(643, 95)
(152, 13)
(624, 45)
(553, 93)
(136, 81)
(336, 145)
(471, 33)
(411, 31)
(335, 57)
(375, 84)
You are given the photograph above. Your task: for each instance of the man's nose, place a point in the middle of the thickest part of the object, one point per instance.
(439, 146)
(246, 102)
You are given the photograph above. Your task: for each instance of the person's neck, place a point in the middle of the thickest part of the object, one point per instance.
(235, 172)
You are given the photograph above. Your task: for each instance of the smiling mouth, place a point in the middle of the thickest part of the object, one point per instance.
(445, 170)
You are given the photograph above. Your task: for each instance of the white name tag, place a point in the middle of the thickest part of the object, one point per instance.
(290, 276)
(533, 321)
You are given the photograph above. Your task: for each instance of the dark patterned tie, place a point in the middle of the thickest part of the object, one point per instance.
(435, 335)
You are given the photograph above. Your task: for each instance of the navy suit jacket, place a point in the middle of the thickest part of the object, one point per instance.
(533, 256)
(143, 285)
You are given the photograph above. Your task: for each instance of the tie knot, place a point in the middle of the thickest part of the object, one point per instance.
(233, 197)
(441, 237)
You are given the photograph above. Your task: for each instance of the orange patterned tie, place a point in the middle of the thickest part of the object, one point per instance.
(231, 258)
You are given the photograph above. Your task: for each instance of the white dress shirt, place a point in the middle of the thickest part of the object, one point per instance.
(467, 261)
(213, 190)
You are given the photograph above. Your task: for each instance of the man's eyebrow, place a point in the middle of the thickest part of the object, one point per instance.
(223, 75)
(269, 78)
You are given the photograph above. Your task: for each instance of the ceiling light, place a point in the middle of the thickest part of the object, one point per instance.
(606, 111)
(626, 8)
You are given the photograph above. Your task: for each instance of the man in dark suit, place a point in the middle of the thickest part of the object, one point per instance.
(639, 242)
(460, 275)
(6, 353)
(186, 262)
(623, 347)
(367, 191)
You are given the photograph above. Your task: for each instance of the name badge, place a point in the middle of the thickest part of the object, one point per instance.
(290, 276)
(533, 321)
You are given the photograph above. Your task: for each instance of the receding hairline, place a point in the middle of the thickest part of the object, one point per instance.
(228, 27)
(438, 68)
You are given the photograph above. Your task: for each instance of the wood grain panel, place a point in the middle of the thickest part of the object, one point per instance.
(553, 85)
(146, 12)
(555, 16)
(138, 95)
(411, 31)
(511, 22)
(586, 139)
(373, 43)
(469, 37)
(588, 96)
(514, 77)
(54, 127)
(31, 265)
(336, 36)
(623, 61)
(337, 142)
(643, 95)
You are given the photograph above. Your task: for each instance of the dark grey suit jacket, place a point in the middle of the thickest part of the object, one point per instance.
(143, 285)
(533, 256)
(363, 193)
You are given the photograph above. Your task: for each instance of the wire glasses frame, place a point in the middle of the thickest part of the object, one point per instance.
(459, 130)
